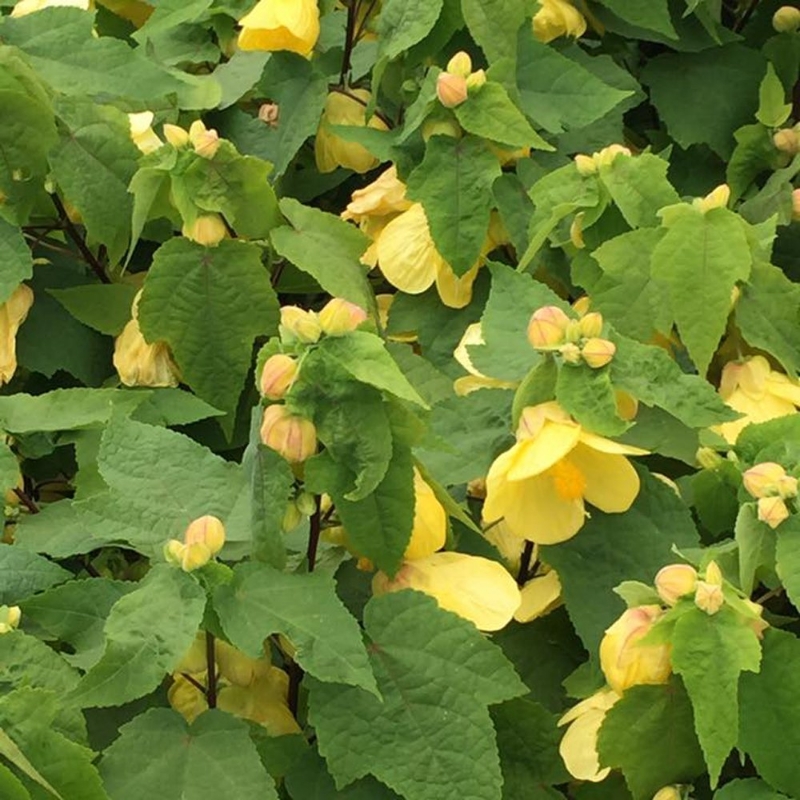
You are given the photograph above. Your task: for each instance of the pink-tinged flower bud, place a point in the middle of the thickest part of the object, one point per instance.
(585, 164)
(339, 317)
(451, 89)
(460, 64)
(476, 80)
(547, 327)
(708, 597)
(598, 352)
(176, 135)
(270, 113)
(676, 581)
(591, 324)
(796, 205)
(277, 376)
(786, 141)
(624, 660)
(292, 436)
(299, 325)
(768, 479)
(772, 511)
(786, 19)
(571, 353)
(9, 618)
(207, 530)
(204, 140)
(208, 230)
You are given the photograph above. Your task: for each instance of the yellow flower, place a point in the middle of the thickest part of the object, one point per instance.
(557, 18)
(578, 747)
(24, 7)
(134, 11)
(299, 325)
(339, 317)
(669, 793)
(473, 587)
(202, 540)
(205, 141)
(754, 389)
(332, 151)
(281, 25)
(142, 133)
(540, 595)
(769, 479)
(430, 521)
(292, 436)
(264, 701)
(772, 511)
(540, 485)
(385, 195)
(624, 660)
(718, 198)
(12, 314)
(9, 618)
(277, 376)
(207, 229)
(675, 581)
(475, 380)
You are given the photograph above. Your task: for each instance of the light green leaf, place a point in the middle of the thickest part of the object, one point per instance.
(9, 469)
(147, 633)
(709, 652)
(756, 546)
(772, 110)
(494, 25)
(454, 185)
(431, 739)
(168, 406)
(633, 735)
(700, 259)
(260, 601)
(209, 304)
(16, 263)
(23, 573)
(587, 394)
(8, 783)
(787, 556)
(748, 789)
(25, 661)
(327, 248)
(159, 755)
(403, 23)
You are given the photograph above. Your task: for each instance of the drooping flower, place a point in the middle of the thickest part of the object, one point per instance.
(207, 229)
(25, 7)
(12, 314)
(540, 486)
(142, 133)
(281, 25)
(557, 18)
(292, 436)
(754, 389)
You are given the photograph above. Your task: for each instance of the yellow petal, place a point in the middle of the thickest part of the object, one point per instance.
(604, 445)
(406, 253)
(12, 314)
(454, 291)
(578, 748)
(781, 386)
(539, 596)
(430, 521)
(533, 456)
(612, 483)
(281, 25)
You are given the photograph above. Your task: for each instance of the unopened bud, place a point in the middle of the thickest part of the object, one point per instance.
(176, 135)
(292, 436)
(291, 517)
(708, 597)
(277, 376)
(708, 458)
(451, 89)
(547, 327)
(627, 405)
(585, 165)
(786, 19)
(668, 793)
(713, 574)
(187, 557)
(772, 511)
(270, 114)
(675, 581)
(718, 198)
(571, 353)
(208, 230)
(207, 530)
(9, 618)
(786, 141)
(796, 205)
(339, 317)
(460, 64)
(605, 158)
(476, 80)
(299, 325)
(204, 140)
(576, 231)
(591, 324)
(307, 503)
(768, 479)
(598, 352)
(582, 305)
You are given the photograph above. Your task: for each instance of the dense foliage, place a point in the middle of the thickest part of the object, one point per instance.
(399, 399)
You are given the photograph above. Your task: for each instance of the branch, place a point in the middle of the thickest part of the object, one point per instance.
(211, 690)
(73, 233)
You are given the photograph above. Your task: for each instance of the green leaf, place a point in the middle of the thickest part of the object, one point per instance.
(378, 525)
(634, 733)
(159, 755)
(16, 263)
(772, 110)
(327, 248)
(9, 784)
(23, 574)
(651, 376)
(639, 187)
(611, 548)
(587, 394)
(700, 259)
(556, 92)
(28, 662)
(768, 313)
(769, 707)
(787, 556)
(494, 25)
(104, 307)
(168, 406)
(720, 85)
(755, 153)
(748, 789)
(240, 74)
(652, 16)
(490, 112)
(260, 601)
(756, 543)
(709, 652)
(147, 633)
(403, 23)
(76, 613)
(431, 739)
(209, 304)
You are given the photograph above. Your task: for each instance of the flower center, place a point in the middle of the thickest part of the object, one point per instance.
(569, 481)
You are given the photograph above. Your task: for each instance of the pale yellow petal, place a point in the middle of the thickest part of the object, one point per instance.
(533, 456)
(612, 483)
(471, 383)
(429, 532)
(455, 292)
(578, 748)
(609, 446)
(600, 700)
(539, 596)
(781, 386)
(406, 253)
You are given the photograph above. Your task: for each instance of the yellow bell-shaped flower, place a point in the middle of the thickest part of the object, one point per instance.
(557, 18)
(281, 25)
(12, 314)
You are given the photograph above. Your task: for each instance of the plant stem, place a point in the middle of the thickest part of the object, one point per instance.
(211, 689)
(349, 40)
(313, 536)
(27, 501)
(73, 233)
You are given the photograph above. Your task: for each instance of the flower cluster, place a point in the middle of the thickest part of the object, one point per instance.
(454, 84)
(202, 540)
(578, 341)
(771, 487)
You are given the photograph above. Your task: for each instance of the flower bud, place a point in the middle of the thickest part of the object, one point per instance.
(718, 198)
(9, 618)
(624, 661)
(668, 793)
(713, 574)
(187, 557)
(176, 135)
(606, 156)
(708, 597)
(207, 530)
(585, 165)
(767, 479)
(591, 324)
(204, 140)
(786, 141)
(796, 205)
(582, 305)
(476, 80)
(299, 325)
(708, 458)
(571, 353)
(270, 114)
(429, 531)
(786, 19)
(627, 405)
(292, 436)
(339, 317)
(307, 503)
(676, 581)
(451, 89)
(576, 231)
(208, 230)
(277, 376)
(440, 127)
(598, 352)
(460, 64)
(142, 134)
(547, 327)
(772, 511)
(291, 517)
